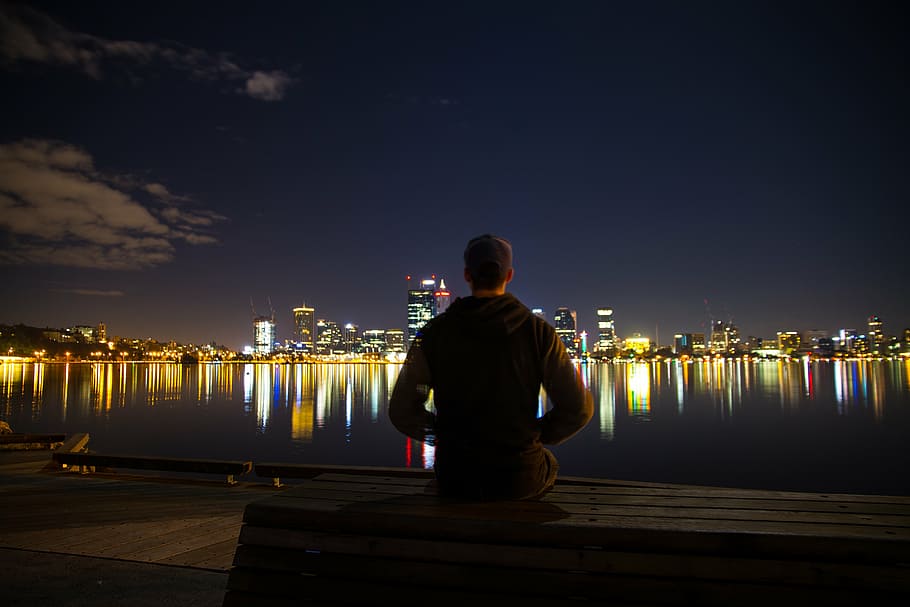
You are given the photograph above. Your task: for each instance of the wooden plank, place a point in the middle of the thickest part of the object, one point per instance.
(76, 442)
(155, 463)
(414, 511)
(285, 470)
(687, 508)
(606, 487)
(613, 588)
(641, 534)
(202, 558)
(325, 553)
(138, 549)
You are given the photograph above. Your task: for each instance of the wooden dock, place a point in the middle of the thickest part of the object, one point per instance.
(353, 538)
(186, 522)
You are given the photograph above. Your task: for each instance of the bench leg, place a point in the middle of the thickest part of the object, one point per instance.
(230, 479)
(276, 482)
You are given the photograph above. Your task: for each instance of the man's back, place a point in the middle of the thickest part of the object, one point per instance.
(486, 359)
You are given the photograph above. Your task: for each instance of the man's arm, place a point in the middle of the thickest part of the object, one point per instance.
(573, 405)
(412, 388)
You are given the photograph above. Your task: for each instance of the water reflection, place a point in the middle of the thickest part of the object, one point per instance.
(299, 402)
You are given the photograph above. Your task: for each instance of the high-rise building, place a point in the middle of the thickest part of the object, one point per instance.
(606, 332)
(443, 297)
(682, 343)
(788, 341)
(329, 338)
(352, 338)
(875, 337)
(731, 335)
(394, 339)
(374, 341)
(305, 327)
(101, 332)
(263, 335)
(698, 344)
(718, 337)
(421, 307)
(564, 322)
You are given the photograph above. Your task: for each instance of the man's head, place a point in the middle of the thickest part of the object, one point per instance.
(488, 263)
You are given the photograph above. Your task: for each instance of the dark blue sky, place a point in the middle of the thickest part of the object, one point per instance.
(163, 165)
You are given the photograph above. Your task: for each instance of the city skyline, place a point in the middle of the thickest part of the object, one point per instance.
(678, 163)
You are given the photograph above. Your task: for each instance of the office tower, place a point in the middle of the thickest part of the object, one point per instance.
(731, 335)
(637, 344)
(564, 322)
(718, 337)
(682, 343)
(101, 332)
(329, 337)
(788, 341)
(443, 297)
(698, 344)
(421, 307)
(374, 341)
(352, 338)
(606, 332)
(874, 337)
(394, 339)
(305, 327)
(263, 335)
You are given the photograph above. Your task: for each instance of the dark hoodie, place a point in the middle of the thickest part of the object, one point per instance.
(486, 359)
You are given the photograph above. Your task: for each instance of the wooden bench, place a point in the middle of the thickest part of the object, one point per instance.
(277, 471)
(343, 538)
(88, 462)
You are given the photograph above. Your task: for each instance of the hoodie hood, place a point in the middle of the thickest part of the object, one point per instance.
(502, 314)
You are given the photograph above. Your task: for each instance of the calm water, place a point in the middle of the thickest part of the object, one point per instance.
(826, 426)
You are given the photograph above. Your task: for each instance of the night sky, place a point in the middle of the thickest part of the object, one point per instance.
(163, 163)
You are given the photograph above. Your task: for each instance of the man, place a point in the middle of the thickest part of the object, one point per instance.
(485, 359)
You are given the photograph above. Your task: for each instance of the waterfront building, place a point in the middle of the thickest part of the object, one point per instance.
(329, 338)
(394, 339)
(564, 322)
(875, 337)
(788, 342)
(263, 335)
(442, 297)
(101, 332)
(305, 327)
(731, 335)
(637, 344)
(374, 341)
(682, 343)
(421, 307)
(352, 338)
(718, 337)
(698, 344)
(606, 332)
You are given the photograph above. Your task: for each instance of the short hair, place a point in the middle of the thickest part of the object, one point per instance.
(488, 276)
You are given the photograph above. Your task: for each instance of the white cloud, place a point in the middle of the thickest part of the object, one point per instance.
(267, 86)
(27, 35)
(57, 210)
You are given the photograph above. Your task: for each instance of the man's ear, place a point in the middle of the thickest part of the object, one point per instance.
(467, 276)
(509, 275)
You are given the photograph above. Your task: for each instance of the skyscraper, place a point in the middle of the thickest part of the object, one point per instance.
(443, 297)
(305, 327)
(421, 307)
(564, 322)
(263, 335)
(718, 337)
(875, 337)
(329, 338)
(606, 332)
